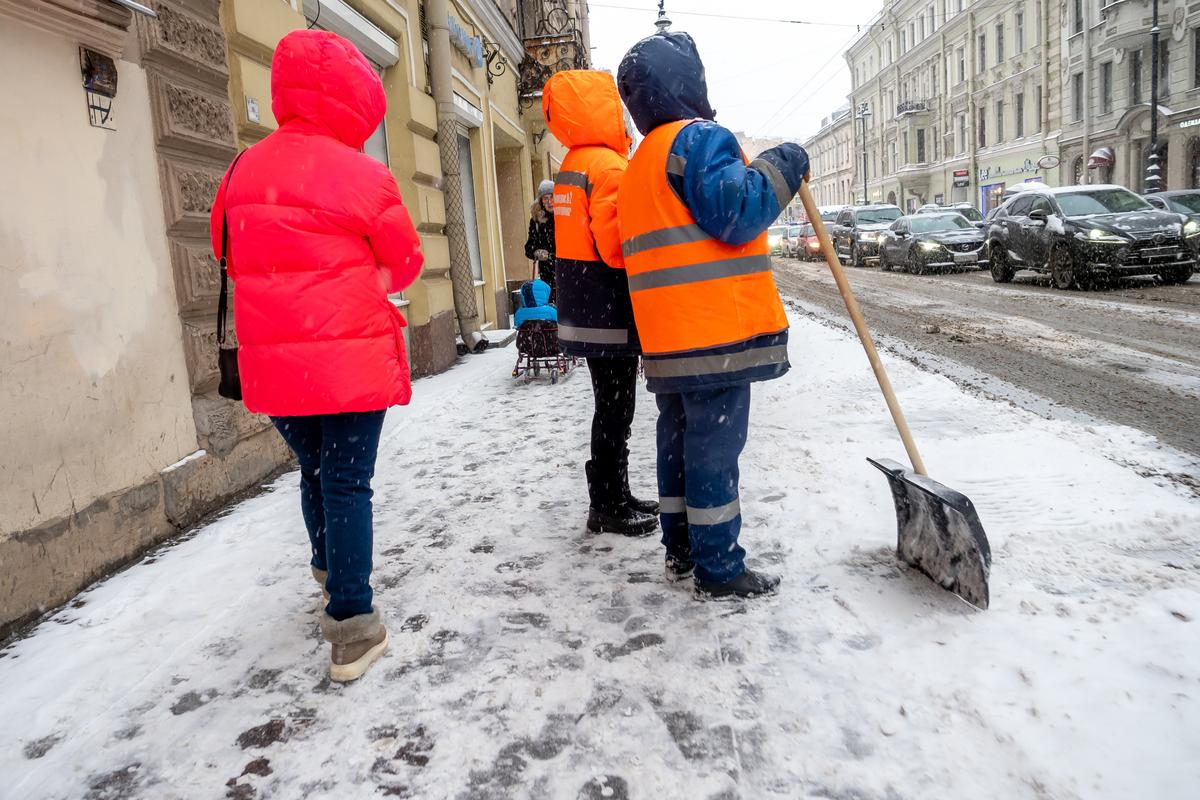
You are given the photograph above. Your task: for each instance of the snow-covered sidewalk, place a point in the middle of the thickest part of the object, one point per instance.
(530, 659)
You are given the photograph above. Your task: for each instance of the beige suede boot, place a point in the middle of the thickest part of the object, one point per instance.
(356, 643)
(320, 576)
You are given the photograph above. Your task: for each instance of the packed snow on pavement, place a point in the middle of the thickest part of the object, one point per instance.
(530, 659)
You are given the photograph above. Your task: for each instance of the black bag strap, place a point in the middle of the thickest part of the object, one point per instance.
(223, 298)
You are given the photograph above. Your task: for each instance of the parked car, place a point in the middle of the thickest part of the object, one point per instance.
(1181, 201)
(966, 209)
(810, 245)
(789, 246)
(1082, 235)
(928, 242)
(857, 231)
(775, 237)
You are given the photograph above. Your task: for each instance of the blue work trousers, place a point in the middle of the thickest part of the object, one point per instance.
(700, 436)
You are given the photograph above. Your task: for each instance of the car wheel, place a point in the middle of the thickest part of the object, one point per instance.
(884, 264)
(1176, 276)
(1062, 267)
(1002, 269)
(914, 263)
(855, 255)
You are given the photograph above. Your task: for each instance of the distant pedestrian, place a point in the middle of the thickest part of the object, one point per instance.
(595, 320)
(539, 246)
(318, 238)
(693, 218)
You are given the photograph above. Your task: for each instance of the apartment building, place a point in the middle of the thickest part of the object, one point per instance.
(831, 150)
(962, 100)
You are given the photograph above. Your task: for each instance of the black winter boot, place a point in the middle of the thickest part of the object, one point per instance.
(678, 569)
(644, 506)
(748, 584)
(608, 512)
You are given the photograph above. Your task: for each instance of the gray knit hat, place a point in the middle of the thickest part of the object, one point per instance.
(545, 187)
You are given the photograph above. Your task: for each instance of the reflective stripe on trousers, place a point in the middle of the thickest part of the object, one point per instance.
(700, 516)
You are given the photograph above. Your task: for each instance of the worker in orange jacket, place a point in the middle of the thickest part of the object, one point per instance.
(693, 217)
(595, 320)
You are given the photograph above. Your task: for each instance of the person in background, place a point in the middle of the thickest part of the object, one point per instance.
(595, 321)
(318, 238)
(693, 217)
(539, 246)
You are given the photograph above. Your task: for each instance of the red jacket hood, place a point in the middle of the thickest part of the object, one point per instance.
(322, 79)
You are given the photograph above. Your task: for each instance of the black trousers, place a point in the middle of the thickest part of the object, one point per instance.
(614, 386)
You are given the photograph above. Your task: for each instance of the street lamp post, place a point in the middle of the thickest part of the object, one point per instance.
(1153, 178)
(864, 111)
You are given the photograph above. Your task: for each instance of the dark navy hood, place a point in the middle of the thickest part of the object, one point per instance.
(661, 80)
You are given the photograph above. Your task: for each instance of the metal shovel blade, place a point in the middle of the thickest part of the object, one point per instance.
(939, 533)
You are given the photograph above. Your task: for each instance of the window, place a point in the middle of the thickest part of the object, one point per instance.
(1077, 171)
(981, 129)
(1077, 96)
(903, 43)
(960, 6)
(912, 34)
(1106, 87)
(920, 30)
(1135, 77)
(933, 144)
(999, 121)
(962, 133)
(893, 155)
(981, 53)
(467, 178)
(1077, 16)
(962, 63)
(1196, 57)
(1019, 113)
(1019, 25)
(890, 57)
(1037, 109)
(1020, 207)
(999, 43)
(920, 145)
(905, 154)
(1194, 162)
(1164, 66)
(933, 81)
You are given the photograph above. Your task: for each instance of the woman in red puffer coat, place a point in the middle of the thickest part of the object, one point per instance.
(318, 237)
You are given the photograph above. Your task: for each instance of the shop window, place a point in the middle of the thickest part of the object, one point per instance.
(466, 176)
(1077, 171)
(1194, 163)
(891, 198)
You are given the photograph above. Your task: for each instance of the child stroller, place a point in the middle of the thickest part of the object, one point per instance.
(537, 335)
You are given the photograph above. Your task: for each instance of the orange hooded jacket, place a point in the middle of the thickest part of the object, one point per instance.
(584, 112)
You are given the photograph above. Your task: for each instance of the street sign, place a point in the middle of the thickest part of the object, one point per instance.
(962, 178)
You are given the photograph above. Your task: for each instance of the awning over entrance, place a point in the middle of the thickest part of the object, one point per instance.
(1102, 157)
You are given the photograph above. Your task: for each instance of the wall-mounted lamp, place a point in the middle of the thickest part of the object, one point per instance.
(99, 86)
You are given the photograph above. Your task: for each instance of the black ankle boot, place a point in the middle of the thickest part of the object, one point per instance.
(748, 584)
(623, 520)
(678, 569)
(644, 506)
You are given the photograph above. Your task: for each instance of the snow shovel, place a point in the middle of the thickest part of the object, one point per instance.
(938, 530)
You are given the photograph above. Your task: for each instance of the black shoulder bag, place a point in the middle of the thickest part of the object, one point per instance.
(227, 357)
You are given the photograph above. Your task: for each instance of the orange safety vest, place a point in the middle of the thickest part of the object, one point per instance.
(708, 313)
(594, 314)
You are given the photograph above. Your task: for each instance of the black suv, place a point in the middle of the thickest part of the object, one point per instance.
(1083, 235)
(931, 242)
(858, 230)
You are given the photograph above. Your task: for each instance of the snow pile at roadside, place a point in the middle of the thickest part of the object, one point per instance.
(530, 659)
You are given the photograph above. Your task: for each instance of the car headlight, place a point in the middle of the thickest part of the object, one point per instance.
(929, 247)
(1098, 235)
(1192, 228)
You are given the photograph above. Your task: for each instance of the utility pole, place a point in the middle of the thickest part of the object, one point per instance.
(864, 111)
(1153, 178)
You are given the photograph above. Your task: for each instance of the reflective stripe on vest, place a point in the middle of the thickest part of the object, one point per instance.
(691, 292)
(572, 210)
(594, 335)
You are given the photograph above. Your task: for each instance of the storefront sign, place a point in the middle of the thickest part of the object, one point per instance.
(1187, 123)
(962, 178)
(470, 46)
(998, 172)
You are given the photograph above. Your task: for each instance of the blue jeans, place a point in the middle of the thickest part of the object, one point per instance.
(337, 461)
(700, 436)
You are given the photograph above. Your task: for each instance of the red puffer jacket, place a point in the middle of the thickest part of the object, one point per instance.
(318, 238)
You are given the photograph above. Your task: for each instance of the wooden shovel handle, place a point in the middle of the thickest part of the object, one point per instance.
(839, 276)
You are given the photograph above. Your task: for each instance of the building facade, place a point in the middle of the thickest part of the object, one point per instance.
(1106, 100)
(115, 436)
(962, 99)
(831, 153)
